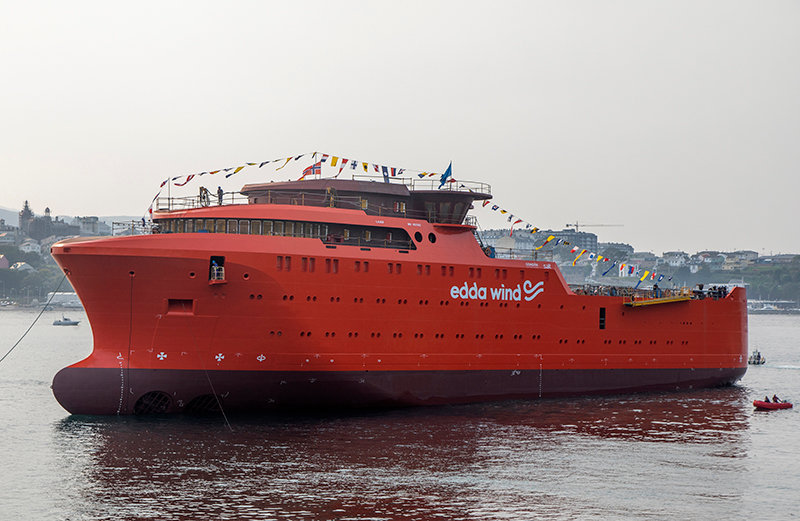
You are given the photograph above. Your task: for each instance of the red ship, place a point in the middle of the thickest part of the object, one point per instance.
(351, 293)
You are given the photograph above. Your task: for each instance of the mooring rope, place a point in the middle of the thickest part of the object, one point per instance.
(208, 377)
(53, 294)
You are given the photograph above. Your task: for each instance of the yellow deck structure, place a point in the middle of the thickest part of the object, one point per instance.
(682, 295)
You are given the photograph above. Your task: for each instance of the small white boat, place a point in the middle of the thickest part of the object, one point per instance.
(756, 358)
(65, 321)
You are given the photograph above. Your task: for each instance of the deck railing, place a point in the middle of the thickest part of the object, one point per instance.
(298, 198)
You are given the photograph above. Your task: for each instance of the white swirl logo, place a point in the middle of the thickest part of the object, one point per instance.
(532, 290)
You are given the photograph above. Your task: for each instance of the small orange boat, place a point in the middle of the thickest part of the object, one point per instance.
(768, 406)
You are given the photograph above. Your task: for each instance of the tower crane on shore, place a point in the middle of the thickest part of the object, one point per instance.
(577, 225)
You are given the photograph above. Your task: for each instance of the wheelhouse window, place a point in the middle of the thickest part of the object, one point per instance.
(329, 233)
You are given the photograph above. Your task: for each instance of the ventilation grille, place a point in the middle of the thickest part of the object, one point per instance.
(154, 402)
(204, 403)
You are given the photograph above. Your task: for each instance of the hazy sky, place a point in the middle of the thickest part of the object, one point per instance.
(678, 119)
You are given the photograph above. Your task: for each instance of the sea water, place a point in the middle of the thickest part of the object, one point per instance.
(689, 455)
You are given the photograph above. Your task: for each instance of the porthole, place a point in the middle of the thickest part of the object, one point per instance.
(432, 237)
(417, 236)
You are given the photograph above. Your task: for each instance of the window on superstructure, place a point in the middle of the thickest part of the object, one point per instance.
(266, 228)
(180, 225)
(233, 226)
(189, 225)
(288, 228)
(304, 263)
(219, 226)
(444, 211)
(288, 263)
(458, 210)
(244, 227)
(309, 230)
(430, 211)
(255, 227)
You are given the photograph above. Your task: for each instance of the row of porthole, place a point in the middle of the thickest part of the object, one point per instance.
(431, 237)
(651, 342)
(478, 336)
(422, 302)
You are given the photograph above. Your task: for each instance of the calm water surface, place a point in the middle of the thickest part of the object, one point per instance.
(700, 455)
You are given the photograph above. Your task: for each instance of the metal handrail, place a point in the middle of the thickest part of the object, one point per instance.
(428, 184)
(300, 198)
(132, 227)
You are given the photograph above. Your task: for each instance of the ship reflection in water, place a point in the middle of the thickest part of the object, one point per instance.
(590, 458)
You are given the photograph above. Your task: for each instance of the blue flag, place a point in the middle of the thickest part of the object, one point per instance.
(609, 269)
(447, 173)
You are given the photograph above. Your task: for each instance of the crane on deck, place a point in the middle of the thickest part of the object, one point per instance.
(578, 225)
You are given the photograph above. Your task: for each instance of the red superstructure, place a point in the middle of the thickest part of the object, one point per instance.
(352, 293)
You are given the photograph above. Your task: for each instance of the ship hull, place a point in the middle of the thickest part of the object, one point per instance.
(296, 322)
(102, 391)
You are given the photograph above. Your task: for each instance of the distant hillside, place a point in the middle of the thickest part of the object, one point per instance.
(108, 219)
(11, 216)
